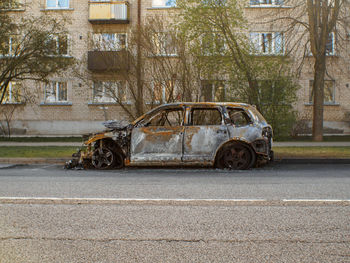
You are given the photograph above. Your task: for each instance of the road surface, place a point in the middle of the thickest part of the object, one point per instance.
(281, 213)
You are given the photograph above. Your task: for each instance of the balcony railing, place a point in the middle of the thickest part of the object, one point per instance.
(108, 60)
(113, 12)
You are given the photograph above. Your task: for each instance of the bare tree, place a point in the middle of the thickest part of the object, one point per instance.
(30, 48)
(152, 56)
(312, 27)
(217, 34)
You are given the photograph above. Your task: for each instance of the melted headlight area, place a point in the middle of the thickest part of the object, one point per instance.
(261, 147)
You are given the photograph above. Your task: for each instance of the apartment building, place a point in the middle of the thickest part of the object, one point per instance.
(74, 104)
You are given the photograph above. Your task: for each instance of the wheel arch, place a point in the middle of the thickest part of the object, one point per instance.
(236, 140)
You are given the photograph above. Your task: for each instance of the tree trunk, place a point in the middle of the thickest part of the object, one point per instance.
(318, 88)
(139, 96)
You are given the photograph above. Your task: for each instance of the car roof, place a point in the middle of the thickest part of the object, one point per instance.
(230, 104)
(200, 104)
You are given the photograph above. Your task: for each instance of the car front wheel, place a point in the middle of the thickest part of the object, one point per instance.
(103, 158)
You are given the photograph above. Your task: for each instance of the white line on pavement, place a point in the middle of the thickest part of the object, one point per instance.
(160, 201)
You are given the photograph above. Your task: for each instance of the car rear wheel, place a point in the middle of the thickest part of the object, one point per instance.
(235, 156)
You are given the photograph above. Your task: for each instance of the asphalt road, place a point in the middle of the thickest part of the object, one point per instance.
(296, 213)
(272, 183)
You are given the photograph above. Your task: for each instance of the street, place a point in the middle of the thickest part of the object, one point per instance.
(280, 213)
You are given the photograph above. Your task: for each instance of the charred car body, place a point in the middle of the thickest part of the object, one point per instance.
(223, 135)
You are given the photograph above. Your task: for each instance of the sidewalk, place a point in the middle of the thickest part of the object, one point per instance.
(7, 162)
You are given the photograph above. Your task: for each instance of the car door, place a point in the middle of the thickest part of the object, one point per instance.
(242, 124)
(204, 133)
(159, 140)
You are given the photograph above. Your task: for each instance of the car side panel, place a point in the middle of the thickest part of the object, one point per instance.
(156, 144)
(201, 142)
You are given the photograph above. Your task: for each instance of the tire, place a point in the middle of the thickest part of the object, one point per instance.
(235, 156)
(103, 158)
(119, 160)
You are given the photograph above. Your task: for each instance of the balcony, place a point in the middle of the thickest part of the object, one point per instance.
(113, 12)
(108, 60)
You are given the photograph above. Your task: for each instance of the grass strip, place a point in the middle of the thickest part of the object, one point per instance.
(339, 138)
(41, 139)
(312, 152)
(67, 151)
(37, 151)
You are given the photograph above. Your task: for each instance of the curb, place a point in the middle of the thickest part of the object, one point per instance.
(6, 162)
(312, 161)
(34, 160)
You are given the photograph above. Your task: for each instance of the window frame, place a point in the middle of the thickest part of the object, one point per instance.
(164, 4)
(14, 5)
(119, 86)
(57, 39)
(8, 99)
(10, 46)
(330, 102)
(57, 7)
(258, 46)
(56, 86)
(146, 122)
(192, 109)
(115, 45)
(250, 120)
(332, 53)
(215, 86)
(162, 46)
(164, 85)
(213, 41)
(260, 3)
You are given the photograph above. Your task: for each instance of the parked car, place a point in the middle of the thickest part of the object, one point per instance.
(222, 135)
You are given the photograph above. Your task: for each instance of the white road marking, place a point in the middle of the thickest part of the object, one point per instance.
(160, 201)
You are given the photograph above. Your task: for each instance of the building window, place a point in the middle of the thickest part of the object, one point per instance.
(56, 91)
(329, 92)
(214, 2)
(267, 43)
(163, 3)
(165, 44)
(109, 91)
(330, 46)
(213, 90)
(12, 5)
(330, 50)
(59, 4)
(58, 45)
(213, 44)
(109, 41)
(165, 91)
(266, 2)
(10, 46)
(13, 92)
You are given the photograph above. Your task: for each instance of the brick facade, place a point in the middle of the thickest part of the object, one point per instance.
(79, 115)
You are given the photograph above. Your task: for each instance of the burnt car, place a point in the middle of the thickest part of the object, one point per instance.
(221, 135)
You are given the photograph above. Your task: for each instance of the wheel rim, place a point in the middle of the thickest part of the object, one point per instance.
(102, 158)
(236, 157)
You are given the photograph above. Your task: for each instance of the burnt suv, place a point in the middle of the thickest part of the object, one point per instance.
(223, 135)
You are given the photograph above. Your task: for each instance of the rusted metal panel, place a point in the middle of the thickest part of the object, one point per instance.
(156, 144)
(201, 142)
